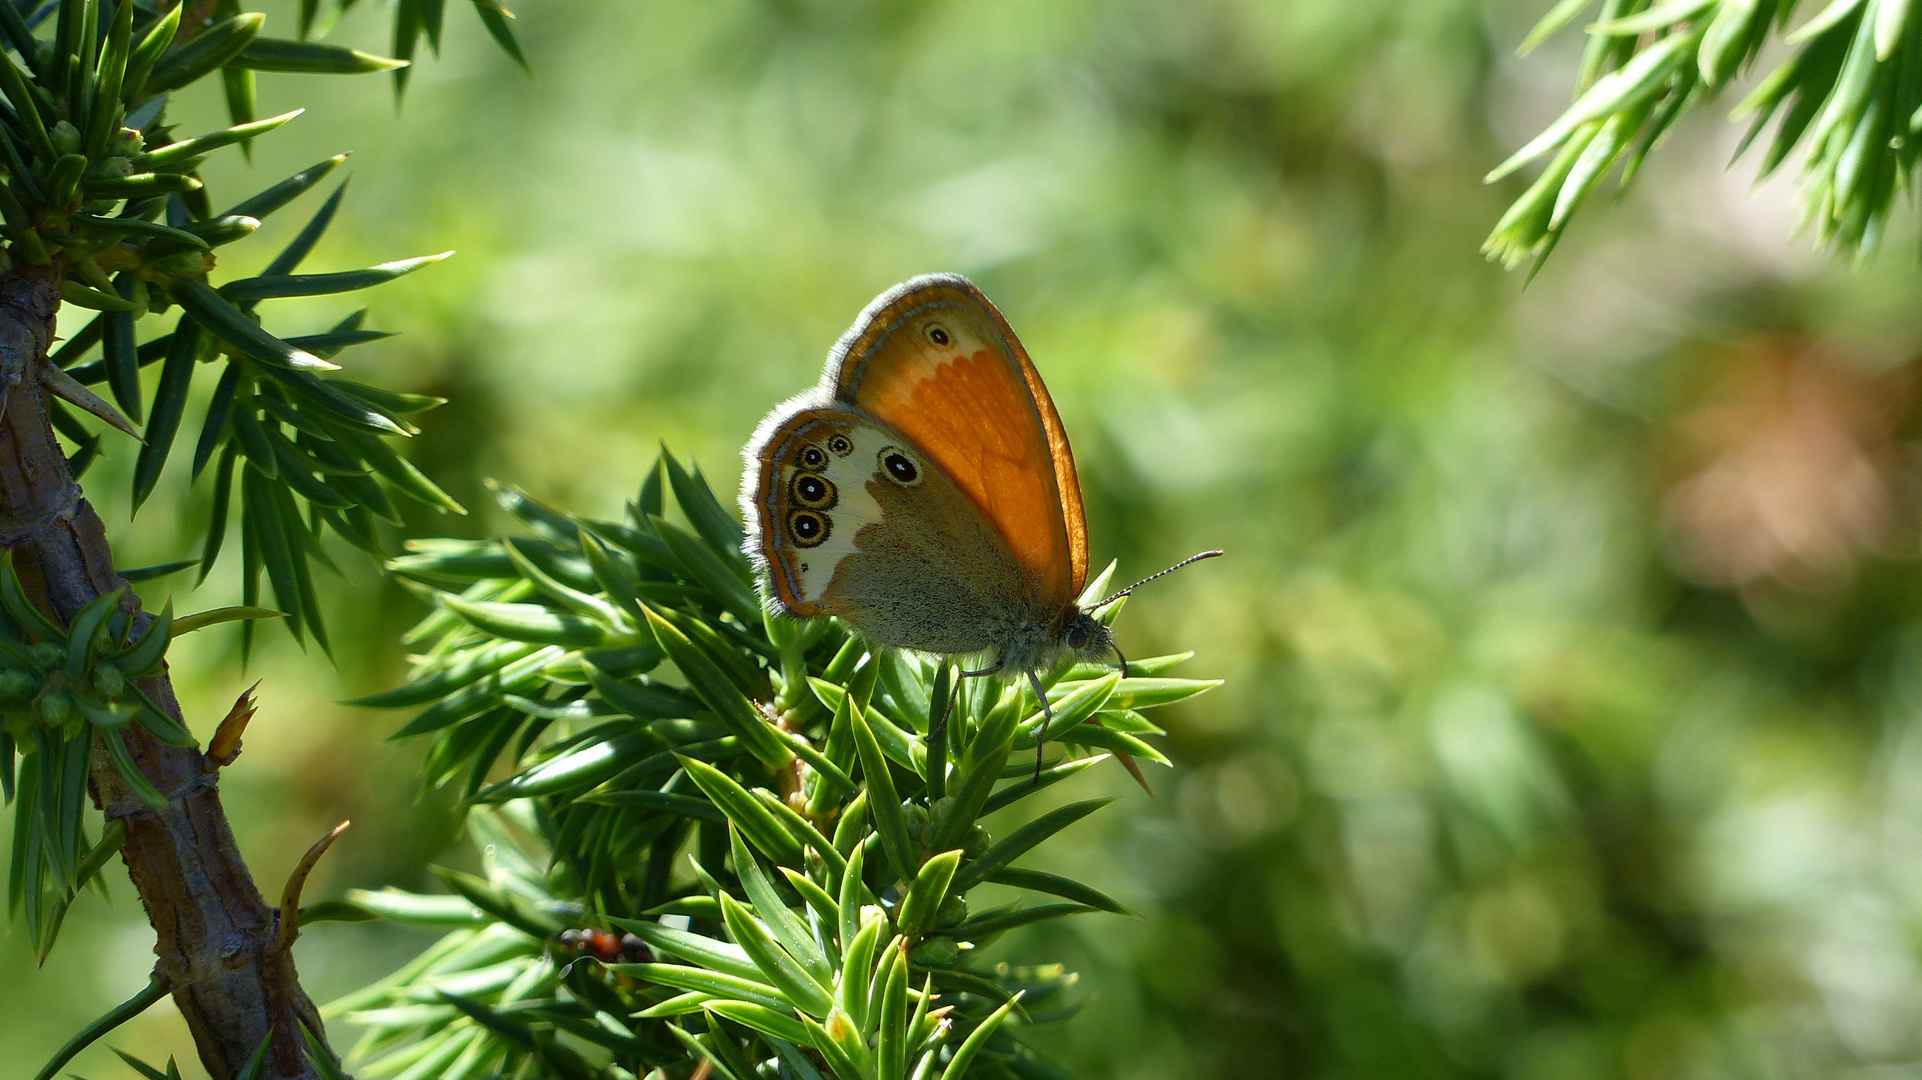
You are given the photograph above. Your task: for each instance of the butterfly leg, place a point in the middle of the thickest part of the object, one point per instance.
(994, 669)
(1047, 721)
(1118, 656)
(944, 708)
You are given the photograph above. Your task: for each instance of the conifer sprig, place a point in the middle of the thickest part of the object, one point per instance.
(716, 835)
(95, 182)
(102, 207)
(100, 193)
(1849, 95)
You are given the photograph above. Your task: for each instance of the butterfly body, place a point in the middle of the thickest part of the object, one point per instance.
(924, 491)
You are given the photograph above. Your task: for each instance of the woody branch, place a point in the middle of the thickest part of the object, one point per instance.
(218, 944)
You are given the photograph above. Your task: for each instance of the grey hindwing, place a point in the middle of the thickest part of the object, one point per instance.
(932, 575)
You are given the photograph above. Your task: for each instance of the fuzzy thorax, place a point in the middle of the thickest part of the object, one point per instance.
(1035, 641)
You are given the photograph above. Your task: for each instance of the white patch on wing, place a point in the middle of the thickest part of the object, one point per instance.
(814, 567)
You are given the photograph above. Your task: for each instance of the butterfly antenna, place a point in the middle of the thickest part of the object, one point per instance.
(1190, 559)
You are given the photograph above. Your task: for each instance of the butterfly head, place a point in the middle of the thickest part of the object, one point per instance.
(1087, 635)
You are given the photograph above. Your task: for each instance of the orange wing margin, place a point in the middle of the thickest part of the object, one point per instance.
(976, 406)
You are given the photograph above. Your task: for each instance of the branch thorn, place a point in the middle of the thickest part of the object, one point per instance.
(71, 390)
(296, 881)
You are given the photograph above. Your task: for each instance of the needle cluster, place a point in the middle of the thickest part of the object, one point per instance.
(103, 207)
(715, 839)
(1848, 95)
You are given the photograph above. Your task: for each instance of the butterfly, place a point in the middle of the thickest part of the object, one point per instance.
(925, 493)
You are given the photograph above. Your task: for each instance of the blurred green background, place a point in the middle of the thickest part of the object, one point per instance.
(1573, 724)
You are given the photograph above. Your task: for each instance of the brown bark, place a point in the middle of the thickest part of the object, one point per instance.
(217, 939)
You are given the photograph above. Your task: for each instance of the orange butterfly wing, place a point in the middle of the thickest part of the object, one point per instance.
(975, 405)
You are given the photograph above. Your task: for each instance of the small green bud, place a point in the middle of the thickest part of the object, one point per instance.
(917, 816)
(935, 952)
(17, 686)
(109, 680)
(49, 654)
(112, 168)
(127, 143)
(66, 137)
(57, 708)
(977, 842)
(17, 722)
(953, 910)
